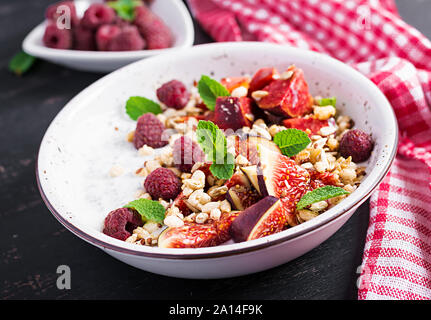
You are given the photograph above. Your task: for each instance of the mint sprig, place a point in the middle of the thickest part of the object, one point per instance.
(149, 210)
(125, 9)
(213, 142)
(137, 106)
(21, 63)
(320, 194)
(224, 170)
(327, 101)
(291, 141)
(209, 89)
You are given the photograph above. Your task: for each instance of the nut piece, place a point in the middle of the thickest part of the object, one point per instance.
(324, 113)
(306, 215)
(215, 214)
(210, 206)
(201, 217)
(239, 92)
(319, 206)
(286, 75)
(348, 175)
(197, 180)
(259, 94)
(173, 221)
(116, 171)
(145, 151)
(225, 206)
(151, 226)
(130, 136)
(152, 165)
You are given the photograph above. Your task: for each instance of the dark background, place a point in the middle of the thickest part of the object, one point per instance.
(33, 243)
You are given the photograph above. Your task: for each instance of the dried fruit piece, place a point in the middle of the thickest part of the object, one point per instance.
(310, 123)
(193, 235)
(121, 222)
(357, 144)
(233, 113)
(57, 38)
(288, 97)
(163, 183)
(173, 94)
(153, 29)
(149, 131)
(262, 78)
(96, 15)
(231, 83)
(186, 153)
(261, 219)
(181, 205)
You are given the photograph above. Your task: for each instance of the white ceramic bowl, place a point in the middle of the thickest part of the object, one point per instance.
(88, 137)
(173, 12)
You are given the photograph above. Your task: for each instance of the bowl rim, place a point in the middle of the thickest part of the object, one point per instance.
(103, 241)
(30, 44)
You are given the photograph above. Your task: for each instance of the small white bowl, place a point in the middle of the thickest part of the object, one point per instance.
(173, 12)
(88, 137)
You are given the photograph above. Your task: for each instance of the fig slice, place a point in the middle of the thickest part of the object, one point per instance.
(194, 235)
(248, 148)
(288, 97)
(280, 176)
(261, 219)
(242, 198)
(240, 193)
(251, 172)
(233, 113)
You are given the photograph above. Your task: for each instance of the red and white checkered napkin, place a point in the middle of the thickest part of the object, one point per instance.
(369, 35)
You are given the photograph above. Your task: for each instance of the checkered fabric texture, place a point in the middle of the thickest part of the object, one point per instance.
(370, 36)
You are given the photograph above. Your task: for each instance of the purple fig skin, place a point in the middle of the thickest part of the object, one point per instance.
(246, 220)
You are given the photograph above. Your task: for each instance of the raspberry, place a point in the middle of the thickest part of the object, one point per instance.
(52, 14)
(173, 94)
(155, 32)
(357, 144)
(121, 222)
(96, 15)
(57, 38)
(186, 153)
(128, 39)
(105, 34)
(83, 39)
(149, 131)
(162, 183)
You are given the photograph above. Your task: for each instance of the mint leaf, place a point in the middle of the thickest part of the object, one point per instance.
(224, 170)
(291, 141)
(327, 101)
(213, 142)
(149, 210)
(125, 9)
(137, 106)
(21, 63)
(320, 194)
(209, 89)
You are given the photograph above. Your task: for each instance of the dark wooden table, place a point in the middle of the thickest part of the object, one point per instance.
(33, 243)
